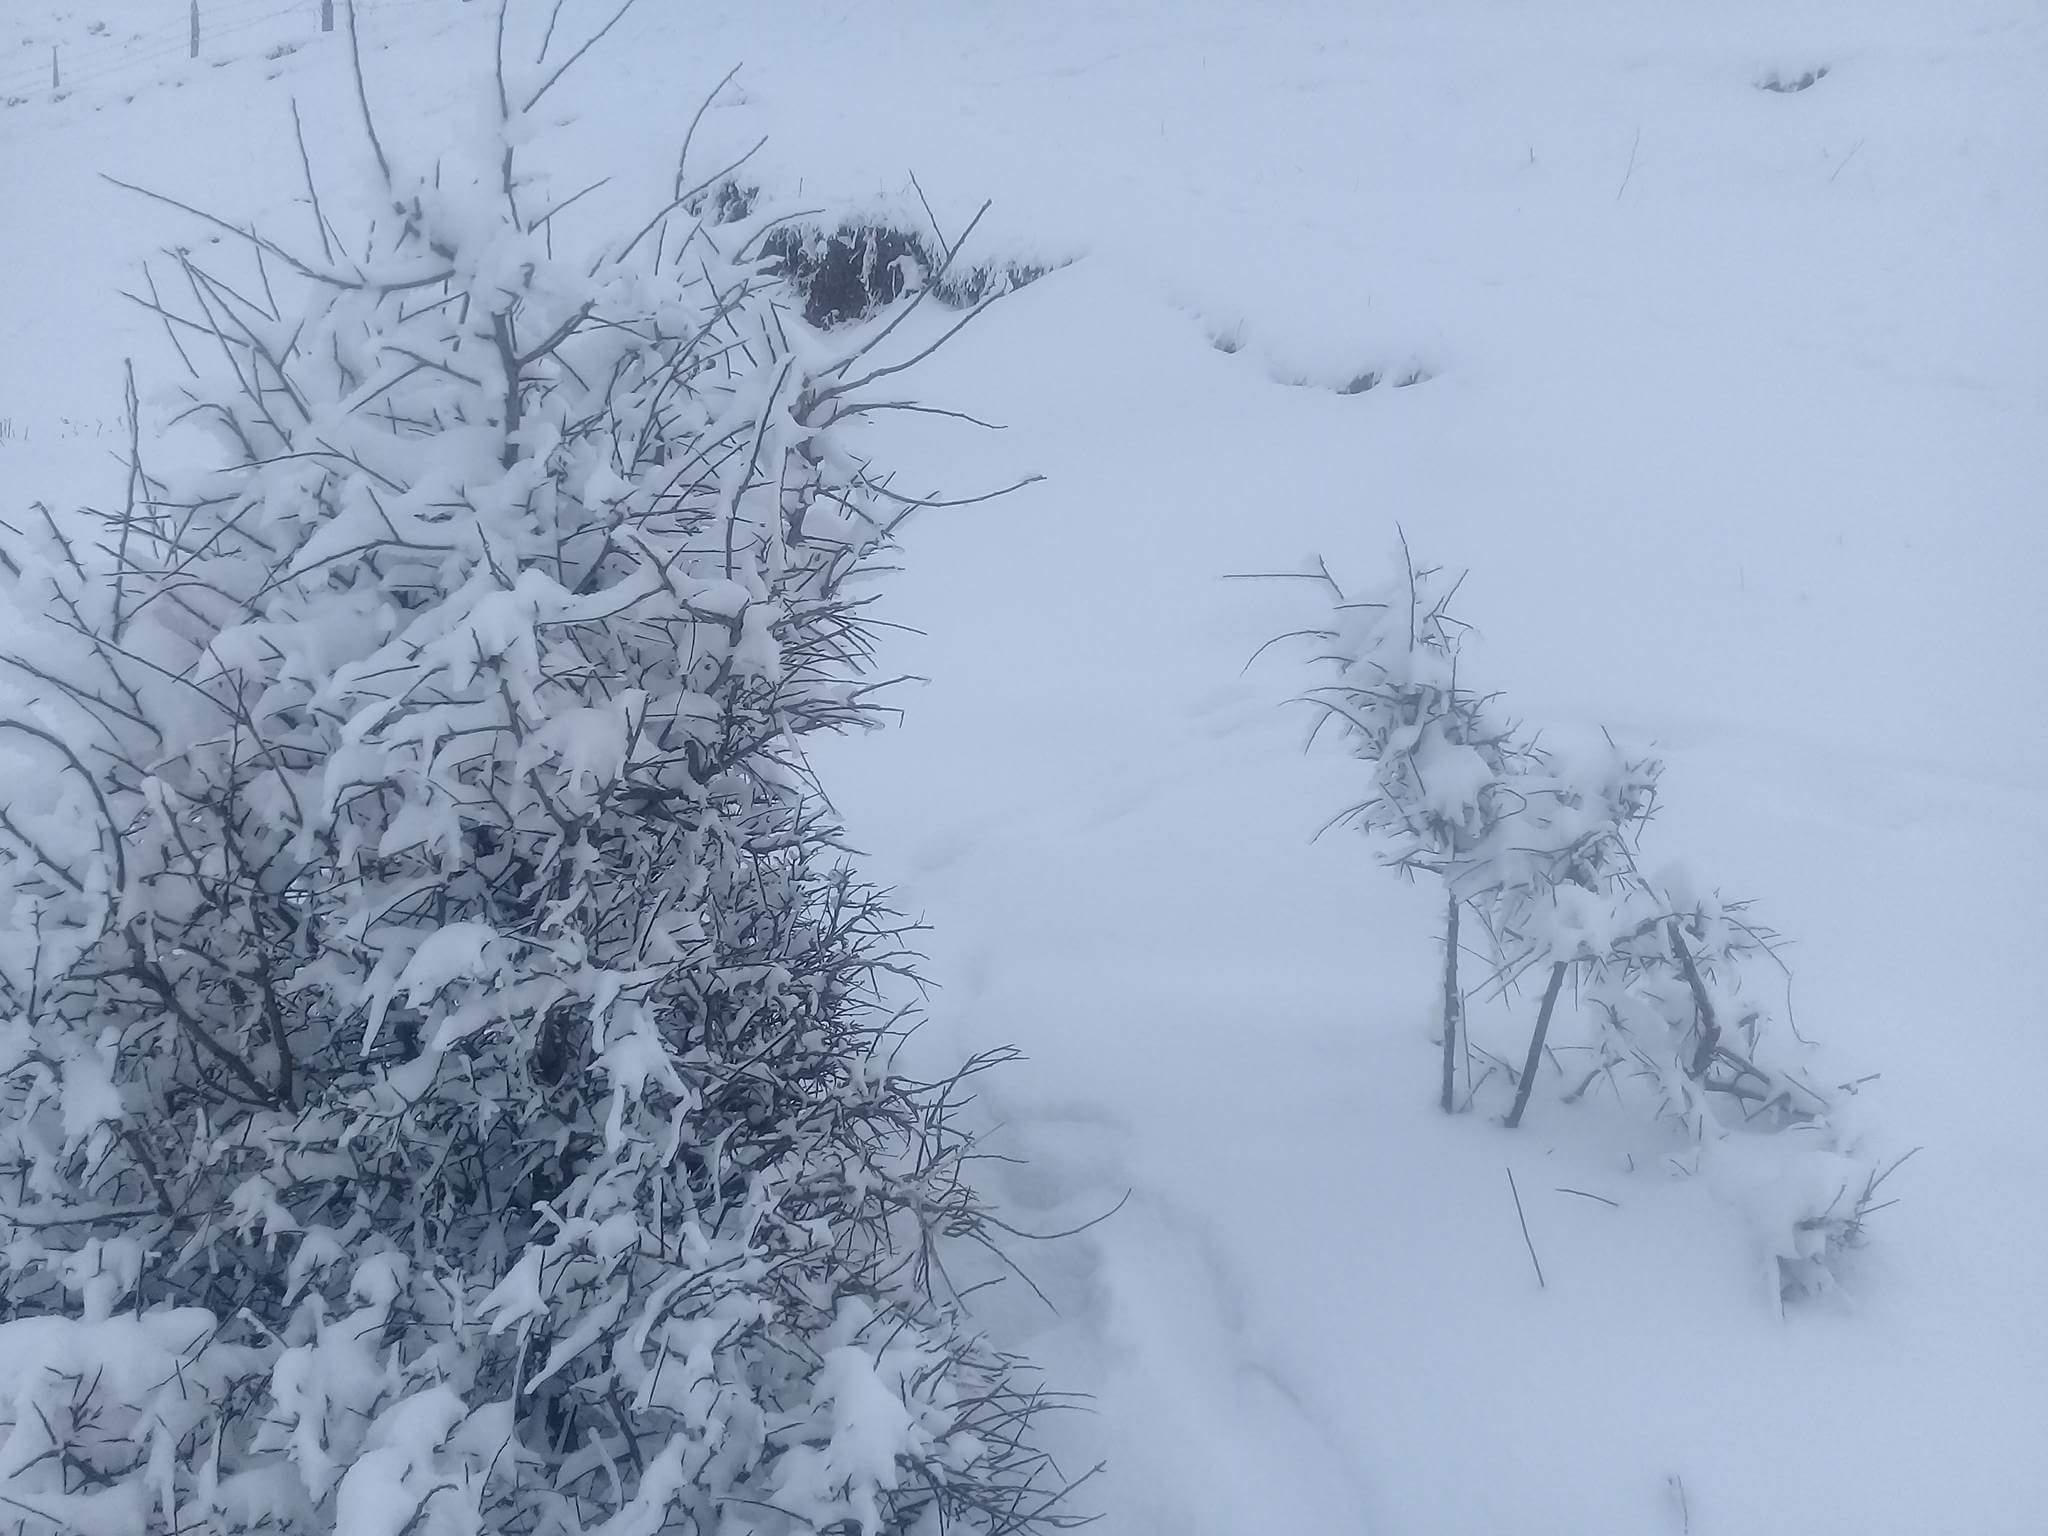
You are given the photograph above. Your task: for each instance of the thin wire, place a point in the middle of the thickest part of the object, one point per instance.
(33, 79)
(94, 55)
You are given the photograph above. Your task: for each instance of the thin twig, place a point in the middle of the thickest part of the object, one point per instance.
(1453, 1003)
(569, 63)
(312, 190)
(1540, 1282)
(1536, 1039)
(355, 55)
(938, 234)
(1588, 1195)
(1634, 145)
(683, 155)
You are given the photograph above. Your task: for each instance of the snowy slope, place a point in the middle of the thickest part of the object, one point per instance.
(1737, 408)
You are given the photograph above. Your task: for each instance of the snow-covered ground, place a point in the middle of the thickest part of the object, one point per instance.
(1736, 405)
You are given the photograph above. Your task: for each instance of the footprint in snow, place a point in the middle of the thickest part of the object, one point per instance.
(1390, 373)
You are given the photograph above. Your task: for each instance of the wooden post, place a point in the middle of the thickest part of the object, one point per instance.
(195, 28)
(326, 15)
(56, 80)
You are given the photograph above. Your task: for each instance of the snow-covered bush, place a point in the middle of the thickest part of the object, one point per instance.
(848, 270)
(1441, 763)
(446, 1077)
(1542, 844)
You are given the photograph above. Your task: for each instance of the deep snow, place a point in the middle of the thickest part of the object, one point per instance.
(1736, 410)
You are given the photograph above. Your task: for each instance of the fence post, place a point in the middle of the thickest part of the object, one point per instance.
(326, 15)
(195, 28)
(56, 80)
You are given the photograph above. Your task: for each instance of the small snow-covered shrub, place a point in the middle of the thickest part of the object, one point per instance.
(1442, 763)
(1541, 845)
(446, 1058)
(847, 269)
(852, 269)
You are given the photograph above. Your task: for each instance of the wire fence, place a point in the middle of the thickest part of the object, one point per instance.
(58, 67)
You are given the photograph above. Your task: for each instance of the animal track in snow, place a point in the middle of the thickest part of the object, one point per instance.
(1231, 342)
(1785, 84)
